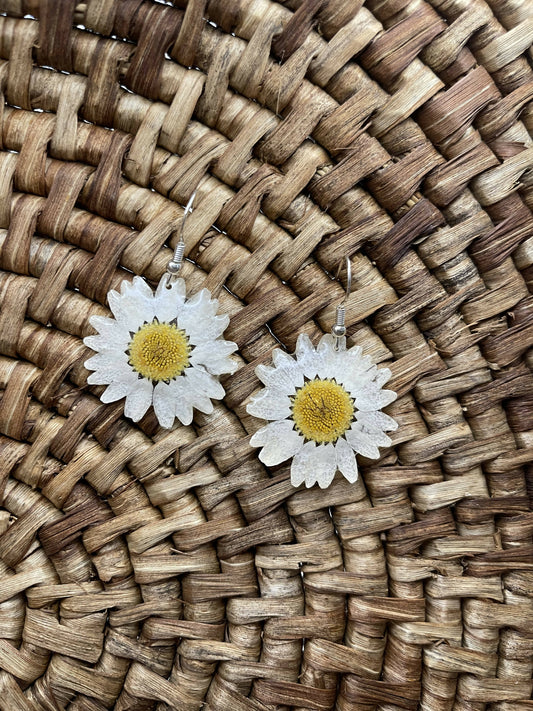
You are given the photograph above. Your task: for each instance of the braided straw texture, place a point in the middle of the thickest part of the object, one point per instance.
(143, 568)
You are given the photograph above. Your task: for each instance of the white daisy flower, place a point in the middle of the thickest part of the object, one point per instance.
(160, 349)
(324, 406)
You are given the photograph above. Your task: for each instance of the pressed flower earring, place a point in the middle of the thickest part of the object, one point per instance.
(324, 406)
(161, 349)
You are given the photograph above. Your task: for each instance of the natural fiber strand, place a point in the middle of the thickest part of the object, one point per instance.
(149, 569)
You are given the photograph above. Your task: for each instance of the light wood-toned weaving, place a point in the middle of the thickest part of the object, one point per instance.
(143, 568)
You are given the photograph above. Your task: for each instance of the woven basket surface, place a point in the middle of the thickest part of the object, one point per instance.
(144, 568)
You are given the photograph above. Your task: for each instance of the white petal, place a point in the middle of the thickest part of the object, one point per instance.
(269, 406)
(356, 361)
(112, 374)
(304, 346)
(199, 320)
(338, 369)
(265, 373)
(119, 340)
(370, 397)
(314, 465)
(362, 442)
(383, 375)
(376, 421)
(182, 404)
(214, 356)
(326, 345)
(134, 305)
(355, 380)
(326, 357)
(217, 349)
(377, 436)
(107, 359)
(371, 378)
(184, 412)
(200, 402)
(105, 326)
(198, 381)
(309, 361)
(202, 329)
(169, 300)
(346, 462)
(202, 304)
(194, 390)
(117, 389)
(137, 288)
(325, 466)
(331, 363)
(354, 370)
(164, 404)
(280, 441)
(192, 397)
(102, 322)
(302, 466)
(139, 399)
(380, 438)
(284, 378)
(281, 359)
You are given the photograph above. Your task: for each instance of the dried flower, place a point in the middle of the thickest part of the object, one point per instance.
(324, 406)
(160, 349)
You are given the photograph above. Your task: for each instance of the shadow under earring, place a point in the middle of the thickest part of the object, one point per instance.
(324, 406)
(161, 349)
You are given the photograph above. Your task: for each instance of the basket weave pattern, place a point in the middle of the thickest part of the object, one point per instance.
(143, 568)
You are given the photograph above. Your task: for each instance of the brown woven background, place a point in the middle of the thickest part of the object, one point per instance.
(150, 569)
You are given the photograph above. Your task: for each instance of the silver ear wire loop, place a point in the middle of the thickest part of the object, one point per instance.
(174, 266)
(338, 330)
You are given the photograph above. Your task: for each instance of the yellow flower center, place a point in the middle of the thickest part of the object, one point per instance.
(159, 351)
(322, 410)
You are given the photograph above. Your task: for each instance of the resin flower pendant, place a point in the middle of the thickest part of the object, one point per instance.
(160, 349)
(324, 406)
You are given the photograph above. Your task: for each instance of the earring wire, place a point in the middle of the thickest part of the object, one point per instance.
(338, 330)
(174, 266)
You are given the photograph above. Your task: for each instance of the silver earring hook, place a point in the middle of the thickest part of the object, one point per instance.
(174, 265)
(348, 279)
(338, 330)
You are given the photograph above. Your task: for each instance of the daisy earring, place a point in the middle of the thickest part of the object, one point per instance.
(324, 407)
(161, 349)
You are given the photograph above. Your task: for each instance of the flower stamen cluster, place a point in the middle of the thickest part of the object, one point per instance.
(159, 351)
(322, 410)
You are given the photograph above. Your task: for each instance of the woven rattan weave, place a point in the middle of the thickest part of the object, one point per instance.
(143, 568)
